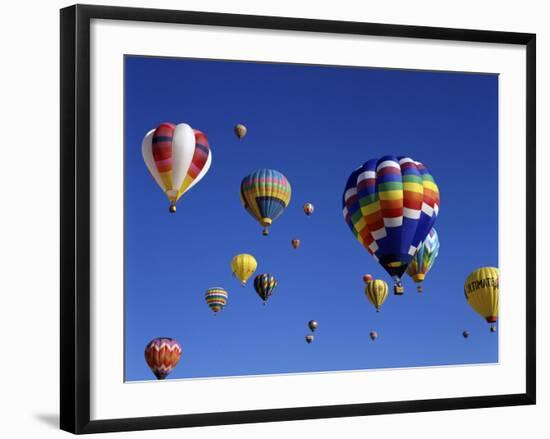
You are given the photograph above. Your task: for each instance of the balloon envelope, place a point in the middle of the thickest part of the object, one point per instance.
(177, 156)
(264, 284)
(216, 298)
(481, 292)
(265, 194)
(309, 338)
(243, 266)
(308, 208)
(162, 355)
(390, 204)
(240, 130)
(313, 325)
(424, 257)
(377, 292)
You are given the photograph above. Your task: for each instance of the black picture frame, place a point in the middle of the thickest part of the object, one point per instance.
(75, 217)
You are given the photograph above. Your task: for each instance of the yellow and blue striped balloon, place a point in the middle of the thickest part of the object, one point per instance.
(265, 194)
(216, 298)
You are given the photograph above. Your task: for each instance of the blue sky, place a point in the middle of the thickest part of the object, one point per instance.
(315, 124)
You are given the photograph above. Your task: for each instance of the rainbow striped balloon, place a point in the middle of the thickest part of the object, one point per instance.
(390, 204)
(265, 194)
(264, 284)
(216, 298)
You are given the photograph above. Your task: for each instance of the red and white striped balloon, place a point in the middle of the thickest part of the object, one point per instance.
(177, 156)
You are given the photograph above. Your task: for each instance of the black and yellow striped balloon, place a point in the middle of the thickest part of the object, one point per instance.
(377, 292)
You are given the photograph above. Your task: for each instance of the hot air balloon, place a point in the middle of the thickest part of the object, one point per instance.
(309, 338)
(162, 354)
(177, 156)
(295, 243)
(240, 130)
(308, 209)
(390, 204)
(264, 284)
(265, 194)
(373, 335)
(313, 325)
(243, 266)
(216, 298)
(465, 334)
(493, 328)
(481, 292)
(424, 259)
(377, 292)
(367, 278)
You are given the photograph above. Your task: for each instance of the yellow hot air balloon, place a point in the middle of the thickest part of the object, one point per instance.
(243, 266)
(377, 292)
(481, 291)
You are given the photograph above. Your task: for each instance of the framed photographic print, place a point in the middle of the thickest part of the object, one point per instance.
(285, 212)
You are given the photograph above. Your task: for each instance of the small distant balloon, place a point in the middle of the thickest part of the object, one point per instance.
(465, 334)
(295, 243)
(367, 278)
(309, 338)
(308, 209)
(373, 335)
(162, 355)
(216, 298)
(313, 325)
(493, 328)
(240, 130)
